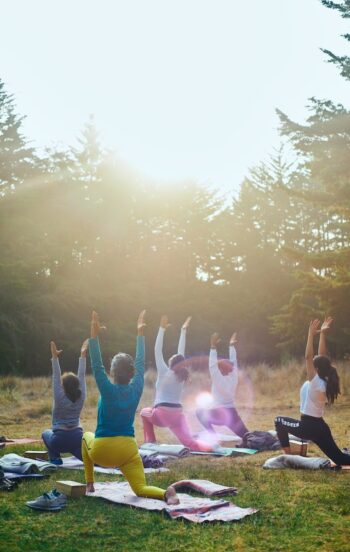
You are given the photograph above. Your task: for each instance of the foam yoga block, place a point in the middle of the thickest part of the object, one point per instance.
(71, 488)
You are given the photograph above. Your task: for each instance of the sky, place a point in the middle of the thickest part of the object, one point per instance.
(180, 89)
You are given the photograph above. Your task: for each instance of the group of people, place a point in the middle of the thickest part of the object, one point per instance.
(113, 444)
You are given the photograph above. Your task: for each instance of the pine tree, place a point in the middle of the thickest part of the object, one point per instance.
(17, 159)
(323, 148)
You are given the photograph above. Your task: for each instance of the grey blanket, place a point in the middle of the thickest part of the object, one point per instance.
(297, 462)
(19, 464)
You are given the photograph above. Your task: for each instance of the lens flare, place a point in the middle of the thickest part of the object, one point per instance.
(204, 400)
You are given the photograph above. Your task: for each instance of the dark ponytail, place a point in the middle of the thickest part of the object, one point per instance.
(329, 374)
(177, 363)
(333, 386)
(71, 387)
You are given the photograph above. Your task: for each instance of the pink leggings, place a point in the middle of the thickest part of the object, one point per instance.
(175, 420)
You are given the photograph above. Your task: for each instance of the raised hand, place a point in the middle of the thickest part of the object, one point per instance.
(186, 323)
(164, 322)
(54, 352)
(214, 340)
(141, 323)
(326, 325)
(314, 327)
(84, 348)
(233, 339)
(95, 325)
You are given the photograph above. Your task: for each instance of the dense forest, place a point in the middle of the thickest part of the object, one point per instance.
(79, 230)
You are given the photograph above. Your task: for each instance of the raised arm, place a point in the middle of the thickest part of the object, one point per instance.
(213, 355)
(138, 380)
(322, 347)
(309, 351)
(82, 367)
(161, 365)
(57, 388)
(104, 385)
(232, 350)
(182, 341)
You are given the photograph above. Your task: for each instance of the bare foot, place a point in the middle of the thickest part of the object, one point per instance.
(286, 450)
(90, 488)
(171, 497)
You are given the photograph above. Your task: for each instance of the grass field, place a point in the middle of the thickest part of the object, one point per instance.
(298, 511)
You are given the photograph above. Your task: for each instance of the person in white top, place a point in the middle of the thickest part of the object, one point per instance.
(224, 377)
(321, 387)
(167, 410)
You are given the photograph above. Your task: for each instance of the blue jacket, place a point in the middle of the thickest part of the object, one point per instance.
(117, 403)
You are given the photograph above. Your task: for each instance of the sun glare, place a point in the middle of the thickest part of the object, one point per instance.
(204, 400)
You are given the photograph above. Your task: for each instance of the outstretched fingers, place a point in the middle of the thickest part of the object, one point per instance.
(54, 352)
(186, 323)
(141, 324)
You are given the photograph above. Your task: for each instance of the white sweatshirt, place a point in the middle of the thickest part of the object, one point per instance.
(223, 388)
(168, 386)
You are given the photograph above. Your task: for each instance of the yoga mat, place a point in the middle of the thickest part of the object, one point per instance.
(72, 463)
(224, 451)
(191, 508)
(340, 468)
(23, 441)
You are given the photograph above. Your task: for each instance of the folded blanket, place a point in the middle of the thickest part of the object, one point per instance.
(261, 440)
(168, 450)
(72, 463)
(19, 464)
(19, 476)
(205, 487)
(152, 459)
(298, 462)
(191, 508)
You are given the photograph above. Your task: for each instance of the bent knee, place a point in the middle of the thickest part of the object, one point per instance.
(146, 412)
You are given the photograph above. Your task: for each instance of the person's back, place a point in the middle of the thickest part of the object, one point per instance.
(66, 411)
(69, 392)
(118, 402)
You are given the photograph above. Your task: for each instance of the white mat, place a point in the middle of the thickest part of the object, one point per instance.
(191, 508)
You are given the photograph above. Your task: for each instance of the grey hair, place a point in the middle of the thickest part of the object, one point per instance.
(122, 362)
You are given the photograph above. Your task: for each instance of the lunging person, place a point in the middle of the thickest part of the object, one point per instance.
(113, 445)
(171, 378)
(224, 377)
(321, 387)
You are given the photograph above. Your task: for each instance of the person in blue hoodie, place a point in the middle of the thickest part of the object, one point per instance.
(113, 445)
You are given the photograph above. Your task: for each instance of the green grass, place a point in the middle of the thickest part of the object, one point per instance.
(298, 510)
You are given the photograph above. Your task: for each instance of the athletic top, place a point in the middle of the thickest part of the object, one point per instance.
(117, 404)
(65, 413)
(168, 386)
(223, 388)
(313, 397)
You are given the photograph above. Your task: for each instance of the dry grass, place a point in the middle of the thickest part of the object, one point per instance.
(263, 393)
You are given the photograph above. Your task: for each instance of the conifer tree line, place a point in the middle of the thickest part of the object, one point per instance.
(79, 230)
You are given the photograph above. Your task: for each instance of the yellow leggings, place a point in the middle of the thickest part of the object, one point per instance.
(117, 452)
